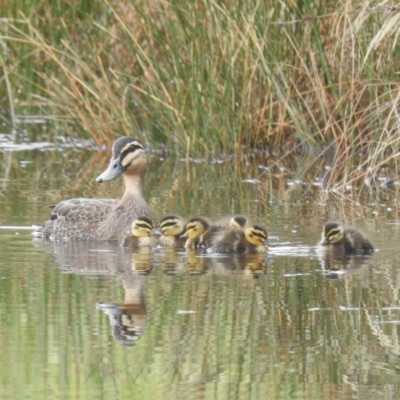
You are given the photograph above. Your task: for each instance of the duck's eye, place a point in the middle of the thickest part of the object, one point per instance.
(132, 147)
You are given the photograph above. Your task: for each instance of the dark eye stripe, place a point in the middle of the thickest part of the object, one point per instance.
(259, 234)
(139, 225)
(333, 233)
(168, 223)
(128, 149)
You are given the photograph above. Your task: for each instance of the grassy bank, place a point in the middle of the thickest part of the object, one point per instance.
(213, 77)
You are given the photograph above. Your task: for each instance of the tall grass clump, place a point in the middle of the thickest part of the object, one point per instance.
(213, 77)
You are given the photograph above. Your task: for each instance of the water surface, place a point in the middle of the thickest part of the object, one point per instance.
(101, 320)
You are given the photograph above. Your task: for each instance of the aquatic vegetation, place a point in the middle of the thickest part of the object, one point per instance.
(299, 81)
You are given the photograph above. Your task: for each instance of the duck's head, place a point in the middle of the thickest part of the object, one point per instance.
(128, 156)
(238, 221)
(332, 233)
(256, 235)
(142, 227)
(195, 228)
(172, 225)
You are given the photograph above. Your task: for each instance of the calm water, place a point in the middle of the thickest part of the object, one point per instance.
(104, 321)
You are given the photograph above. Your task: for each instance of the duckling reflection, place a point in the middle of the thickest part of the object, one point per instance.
(255, 265)
(248, 264)
(337, 265)
(195, 264)
(128, 319)
(142, 260)
(172, 263)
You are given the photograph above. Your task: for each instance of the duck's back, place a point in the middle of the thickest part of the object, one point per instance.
(227, 240)
(354, 241)
(78, 218)
(94, 219)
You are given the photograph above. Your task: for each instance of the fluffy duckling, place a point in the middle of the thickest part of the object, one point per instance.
(194, 229)
(141, 229)
(237, 221)
(232, 240)
(336, 238)
(172, 227)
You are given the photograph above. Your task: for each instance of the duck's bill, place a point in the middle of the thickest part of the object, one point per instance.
(184, 235)
(156, 231)
(324, 241)
(114, 169)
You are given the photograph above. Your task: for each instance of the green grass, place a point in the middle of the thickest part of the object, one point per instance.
(207, 77)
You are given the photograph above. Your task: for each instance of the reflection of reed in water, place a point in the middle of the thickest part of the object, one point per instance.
(128, 319)
(336, 265)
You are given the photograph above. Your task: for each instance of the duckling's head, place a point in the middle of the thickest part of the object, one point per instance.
(256, 235)
(128, 156)
(142, 227)
(196, 227)
(172, 225)
(332, 233)
(238, 221)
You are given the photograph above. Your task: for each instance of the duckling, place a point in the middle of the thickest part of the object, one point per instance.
(237, 221)
(193, 230)
(172, 227)
(336, 238)
(104, 219)
(233, 240)
(141, 229)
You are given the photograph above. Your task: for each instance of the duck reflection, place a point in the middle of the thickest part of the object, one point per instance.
(128, 319)
(130, 264)
(337, 265)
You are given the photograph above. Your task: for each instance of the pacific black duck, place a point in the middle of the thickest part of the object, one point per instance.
(104, 219)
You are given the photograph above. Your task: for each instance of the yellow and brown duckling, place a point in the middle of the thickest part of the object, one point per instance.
(232, 240)
(194, 229)
(141, 229)
(237, 222)
(104, 219)
(218, 239)
(336, 238)
(199, 231)
(172, 227)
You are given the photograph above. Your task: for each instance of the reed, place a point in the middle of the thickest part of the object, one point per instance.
(206, 77)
